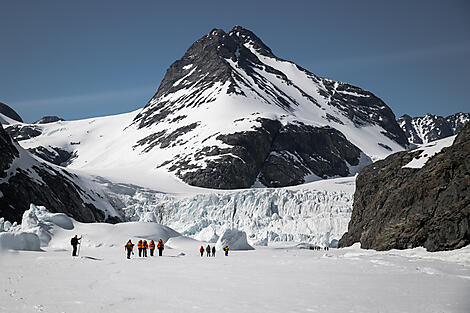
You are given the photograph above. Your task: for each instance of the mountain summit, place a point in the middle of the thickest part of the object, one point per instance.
(230, 114)
(259, 117)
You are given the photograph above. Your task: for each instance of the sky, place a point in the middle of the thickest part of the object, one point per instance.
(79, 59)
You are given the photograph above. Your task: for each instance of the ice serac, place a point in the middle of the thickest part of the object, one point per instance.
(428, 128)
(398, 206)
(25, 180)
(230, 114)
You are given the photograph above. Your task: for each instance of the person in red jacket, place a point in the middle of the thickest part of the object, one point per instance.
(201, 249)
(160, 247)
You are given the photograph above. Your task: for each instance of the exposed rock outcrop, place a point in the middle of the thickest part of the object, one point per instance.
(9, 112)
(396, 207)
(48, 119)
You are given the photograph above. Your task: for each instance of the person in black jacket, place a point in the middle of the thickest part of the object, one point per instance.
(213, 251)
(75, 242)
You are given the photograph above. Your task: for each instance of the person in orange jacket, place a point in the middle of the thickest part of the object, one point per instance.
(139, 246)
(201, 249)
(152, 247)
(160, 247)
(129, 248)
(144, 248)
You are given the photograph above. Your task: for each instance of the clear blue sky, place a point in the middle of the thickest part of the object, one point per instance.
(81, 59)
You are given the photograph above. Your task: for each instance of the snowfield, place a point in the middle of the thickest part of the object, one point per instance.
(279, 278)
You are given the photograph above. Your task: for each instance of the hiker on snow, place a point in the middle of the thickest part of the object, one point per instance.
(160, 247)
(226, 248)
(152, 247)
(201, 249)
(213, 251)
(144, 247)
(75, 242)
(139, 246)
(129, 247)
(208, 250)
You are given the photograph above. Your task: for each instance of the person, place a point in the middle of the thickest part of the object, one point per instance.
(75, 242)
(139, 246)
(213, 251)
(201, 249)
(152, 247)
(129, 248)
(144, 248)
(160, 247)
(226, 248)
(208, 250)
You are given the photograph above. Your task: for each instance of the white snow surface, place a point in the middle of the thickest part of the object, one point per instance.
(277, 278)
(268, 279)
(428, 151)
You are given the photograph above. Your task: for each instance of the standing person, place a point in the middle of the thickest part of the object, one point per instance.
(144, 248)
(213, 251)
(75, 241)
(129, 248)
(226, 248)
(201, 249)
(152, 247)
(139, 246)
(208, 250)
(160, 247)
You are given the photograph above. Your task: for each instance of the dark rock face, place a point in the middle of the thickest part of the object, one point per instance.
(399, 208)
(42, 185)
(274, 154)
(424, 129)
(23, 132)
(9, 112)
(53, 155)
(48, 119)
(300, 150)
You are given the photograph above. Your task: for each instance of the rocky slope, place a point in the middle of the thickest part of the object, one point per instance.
(24, 180)
(399, 206)
(9, 112)
(424, 129)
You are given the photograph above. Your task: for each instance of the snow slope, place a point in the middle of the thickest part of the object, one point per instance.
(428, 151)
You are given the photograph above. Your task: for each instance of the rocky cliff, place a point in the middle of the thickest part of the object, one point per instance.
(397, 207)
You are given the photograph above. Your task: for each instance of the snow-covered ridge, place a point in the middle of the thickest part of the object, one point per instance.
(428, 128)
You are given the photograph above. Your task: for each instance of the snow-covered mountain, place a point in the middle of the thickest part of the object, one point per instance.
(229, 114)
(427, 128)
(25, 179)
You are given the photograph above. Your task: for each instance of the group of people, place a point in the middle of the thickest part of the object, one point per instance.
(326, 248)
(142, 246)
(209, 250)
